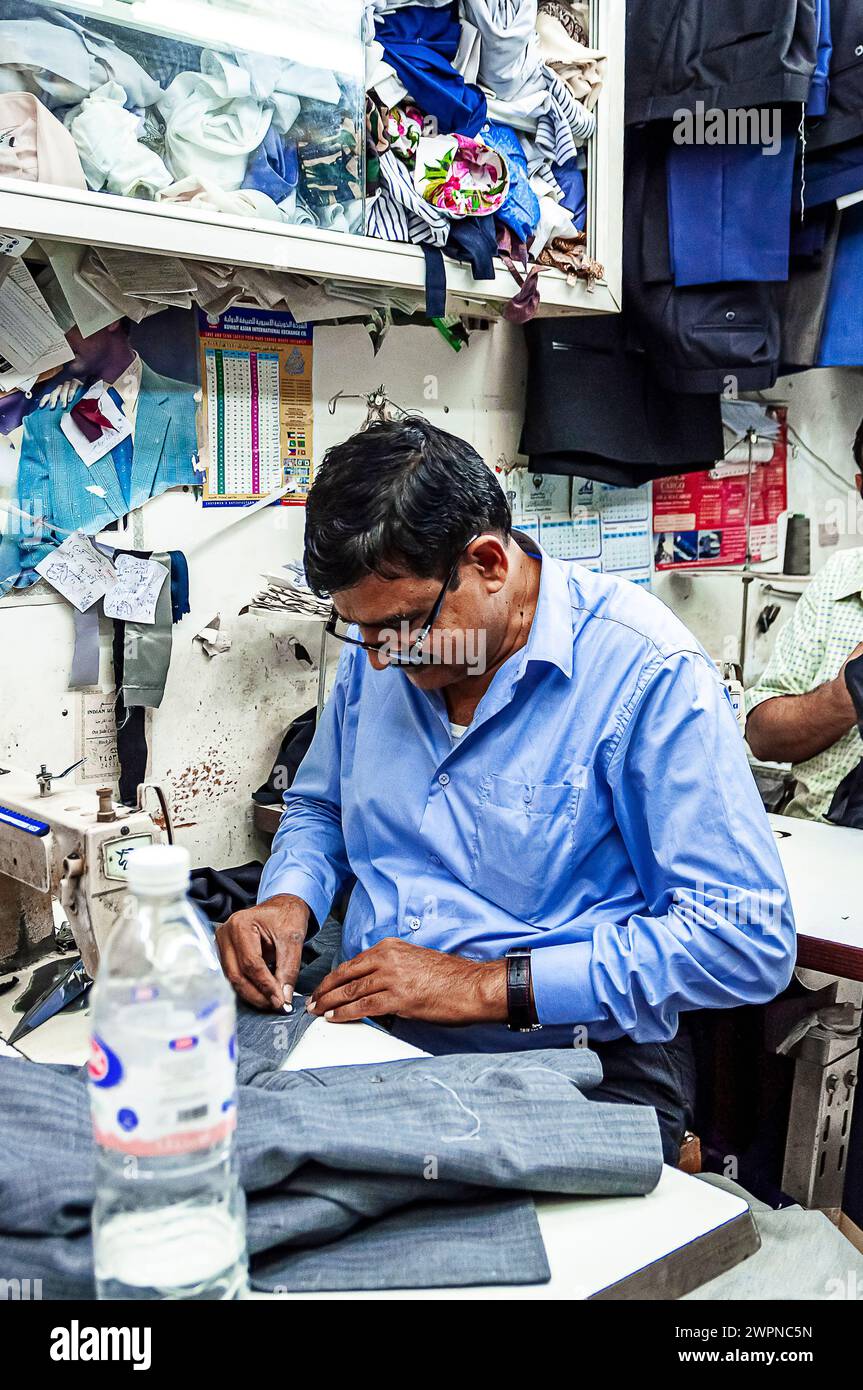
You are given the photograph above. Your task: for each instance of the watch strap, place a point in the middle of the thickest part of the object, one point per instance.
(519, 1008)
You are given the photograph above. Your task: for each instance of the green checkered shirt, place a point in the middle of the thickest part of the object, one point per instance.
(826, 626)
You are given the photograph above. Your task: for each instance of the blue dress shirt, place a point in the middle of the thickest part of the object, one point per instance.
(599, 809)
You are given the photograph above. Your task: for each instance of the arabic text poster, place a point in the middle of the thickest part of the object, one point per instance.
(257, 370)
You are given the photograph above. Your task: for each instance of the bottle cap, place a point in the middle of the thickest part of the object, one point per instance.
(159, 869)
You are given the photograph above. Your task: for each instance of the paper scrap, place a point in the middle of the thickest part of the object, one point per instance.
(91, 450)
(13, 245)
(136, 591)
(97, 740)
(30, 340)
(78, 571)
(91, 312)
(212, 638)
(147, 277)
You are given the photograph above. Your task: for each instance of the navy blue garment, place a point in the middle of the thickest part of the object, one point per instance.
(473, 239)
(695, 336)
(420, 43)
(842, 333)
(832, 174)
(808, 237)
(729, 212)
(179, 585)
(273, 168)
(570, 180)
(844, 118)
(435, 281)
(820, 89)
(520, 208)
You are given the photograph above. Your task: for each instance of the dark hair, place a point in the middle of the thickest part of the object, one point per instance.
(400, 498)
(857, 449)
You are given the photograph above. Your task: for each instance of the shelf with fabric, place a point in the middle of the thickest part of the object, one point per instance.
(187, 228)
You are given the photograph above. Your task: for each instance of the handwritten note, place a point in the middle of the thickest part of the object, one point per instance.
(78, 571)
(134, 595)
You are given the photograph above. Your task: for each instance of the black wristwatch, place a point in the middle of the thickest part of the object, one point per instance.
(520, 1014)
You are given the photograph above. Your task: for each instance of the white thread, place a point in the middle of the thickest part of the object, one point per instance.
(456, 1138)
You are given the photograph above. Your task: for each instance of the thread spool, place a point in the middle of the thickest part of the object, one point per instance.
(797, 548)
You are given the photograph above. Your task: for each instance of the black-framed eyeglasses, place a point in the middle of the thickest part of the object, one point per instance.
(414, 654)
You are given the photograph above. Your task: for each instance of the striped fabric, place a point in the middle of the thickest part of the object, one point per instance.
(565, 125)
(399, 213)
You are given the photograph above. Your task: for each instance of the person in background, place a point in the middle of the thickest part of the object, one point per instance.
(517, 756)
(800, 711)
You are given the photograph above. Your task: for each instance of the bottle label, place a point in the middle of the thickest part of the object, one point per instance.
(176, 1097)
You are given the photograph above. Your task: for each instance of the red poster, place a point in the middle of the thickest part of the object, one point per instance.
(727, 515)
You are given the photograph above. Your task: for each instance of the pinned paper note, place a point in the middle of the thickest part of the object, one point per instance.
(78, 571)
(30, 339)
(117, 429)
(136, 591)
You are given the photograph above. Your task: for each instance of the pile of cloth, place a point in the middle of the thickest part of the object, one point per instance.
(477, 115)
(239, 133)
(411, 1174)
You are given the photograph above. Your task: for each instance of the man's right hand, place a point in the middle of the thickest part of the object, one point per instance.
(260, 949)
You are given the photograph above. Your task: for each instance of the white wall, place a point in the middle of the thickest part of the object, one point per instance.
(214, 738)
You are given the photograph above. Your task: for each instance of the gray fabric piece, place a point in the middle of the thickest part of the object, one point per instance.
(147, 650)
(85, 659)
(802, 1256)
(407, 1174)
(803, 304)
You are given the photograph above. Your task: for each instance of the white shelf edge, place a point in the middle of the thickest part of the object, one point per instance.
(71, 215)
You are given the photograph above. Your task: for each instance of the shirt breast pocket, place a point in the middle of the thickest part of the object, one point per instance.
(525, 835)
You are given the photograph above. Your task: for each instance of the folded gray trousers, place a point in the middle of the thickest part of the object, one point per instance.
(409, 1174)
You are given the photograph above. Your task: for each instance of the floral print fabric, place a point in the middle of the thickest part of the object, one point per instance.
(461, 176)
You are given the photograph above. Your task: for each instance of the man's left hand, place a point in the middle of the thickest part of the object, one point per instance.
(396, 977)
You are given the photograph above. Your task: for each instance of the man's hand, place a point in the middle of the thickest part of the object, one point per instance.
(260, 949)
(396, 977)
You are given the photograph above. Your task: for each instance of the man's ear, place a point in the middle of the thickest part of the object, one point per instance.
(489, 552)
(858, 478)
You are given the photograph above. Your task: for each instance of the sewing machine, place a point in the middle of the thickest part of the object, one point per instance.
(69, 843)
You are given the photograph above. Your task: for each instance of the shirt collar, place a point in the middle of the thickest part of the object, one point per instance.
(550, 636)
(853, 583)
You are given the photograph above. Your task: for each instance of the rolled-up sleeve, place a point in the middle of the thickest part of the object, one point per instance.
(719, 930)
(796, 658)
(308, 856)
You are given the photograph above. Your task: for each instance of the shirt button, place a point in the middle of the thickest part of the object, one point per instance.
(731, 316)
(859, 49)
(528, 796)
(414, 923)
(444, 779)
(434, 859)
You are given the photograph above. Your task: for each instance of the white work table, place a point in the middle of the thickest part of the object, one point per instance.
(822, 864)
(658, 1246)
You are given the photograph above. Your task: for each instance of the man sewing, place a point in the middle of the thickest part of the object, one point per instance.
(800, 710)
(535, 777)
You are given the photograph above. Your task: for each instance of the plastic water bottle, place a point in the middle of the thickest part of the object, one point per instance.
(169, 1215)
